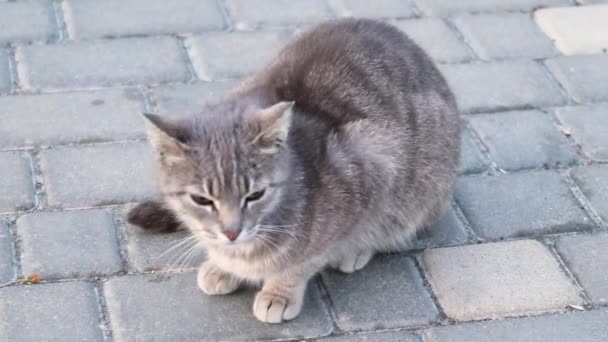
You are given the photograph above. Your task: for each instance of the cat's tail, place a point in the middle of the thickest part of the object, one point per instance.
(153, 216)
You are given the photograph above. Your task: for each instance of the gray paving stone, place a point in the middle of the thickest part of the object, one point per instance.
(27, 21)
(593, 182)
(525, 139)
(249, 14)
(497, 279)
(447, 231)
(50, 312)
(138, 307)
(98, 174)
(584, 77)
(450, 7)
(184, 99)
(6, 254)
(153, 251)
(380, 9)
(91, 18)
(102, 63)
(396, 336)
(501, 85)
(588, 125)
(573, 326)
(69, 244)
(70, 118)
(437, 39)
(520, 204)
(486, 34)
(387, 293)
(575, 30)
(16, 182)
(471, 160)
(229, 55)
(587, 257)
(5, 78)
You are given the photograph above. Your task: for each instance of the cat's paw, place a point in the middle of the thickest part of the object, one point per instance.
(352, 262)
(214, 281)
(271, 308)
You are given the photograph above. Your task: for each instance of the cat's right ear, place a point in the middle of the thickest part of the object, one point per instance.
(166, 136)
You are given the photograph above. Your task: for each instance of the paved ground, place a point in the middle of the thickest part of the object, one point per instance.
(522, 255)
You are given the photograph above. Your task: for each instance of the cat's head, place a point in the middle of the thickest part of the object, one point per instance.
(221, 171)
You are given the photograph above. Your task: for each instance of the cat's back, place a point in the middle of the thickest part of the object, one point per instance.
(348, 69)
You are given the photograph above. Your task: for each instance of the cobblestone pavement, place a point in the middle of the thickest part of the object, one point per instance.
(521, 255)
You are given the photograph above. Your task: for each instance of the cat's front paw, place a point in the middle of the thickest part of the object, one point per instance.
(214, 281)
(272, 308)
(352, 262)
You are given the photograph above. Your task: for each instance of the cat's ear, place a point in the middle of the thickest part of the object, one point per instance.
(166, 136)
(273, 126)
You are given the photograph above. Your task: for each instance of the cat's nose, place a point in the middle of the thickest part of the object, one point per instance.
(232, 234)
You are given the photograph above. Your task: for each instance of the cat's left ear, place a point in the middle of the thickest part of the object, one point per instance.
(273, 126)
(166, 136)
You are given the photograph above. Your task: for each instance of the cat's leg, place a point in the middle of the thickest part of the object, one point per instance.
(214, 281)
(280, 299)
(352, 261)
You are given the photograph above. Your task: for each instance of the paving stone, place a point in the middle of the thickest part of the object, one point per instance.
(573, 326)
(387, 293)
(380, 9)
(138, 307)
(593, 182)
(497, 279)
(587, 257)
(486, 34)
(394, 336)
(576, 30)
(183, 99)
(471, 160)
(5, 77)
(584, 77)
(16, 182)
(450, 7)
(6, 254)
(437, 39)
(91, 18)
(153, 251)
(250, 14)
(520, 204)
(447, 231)
(69, 244)
(525, 139)
(501, 85)
(99, 174)
(588, 125)
(70, 118)
(102, 63)
(235, 54)
(50, 312)
(39, 26)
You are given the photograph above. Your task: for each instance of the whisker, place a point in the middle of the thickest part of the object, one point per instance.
(176, 266)
(176, 245)
(181, 253)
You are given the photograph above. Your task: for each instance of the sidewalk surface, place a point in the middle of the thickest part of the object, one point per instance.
(521, 255)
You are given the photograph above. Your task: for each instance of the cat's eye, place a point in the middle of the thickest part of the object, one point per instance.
(255, 196)
(201, 200)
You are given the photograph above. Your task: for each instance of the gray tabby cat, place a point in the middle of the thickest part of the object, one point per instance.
(344, 146)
